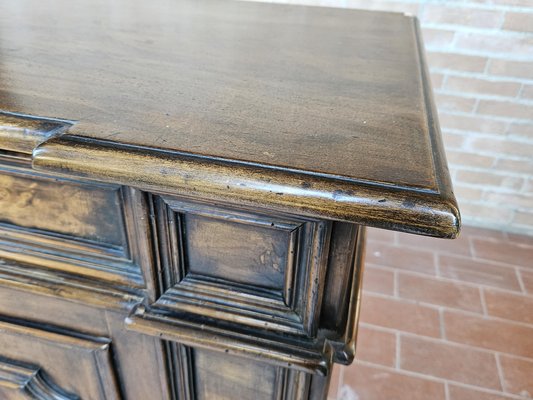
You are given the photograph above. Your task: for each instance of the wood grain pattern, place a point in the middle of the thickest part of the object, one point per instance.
(333, 90)
(328, 134)
(184, 194)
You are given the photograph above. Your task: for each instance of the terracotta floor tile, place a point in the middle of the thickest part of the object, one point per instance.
(506, 337)
(371, 383)
(434, 291)
(461, 393)
(517, 376)
(527, 279)
(381, 235)
(510, 306)
(335, 382)
(447, 361)
(378, 280)
(401, 315)
(507, 252)
(412, 260)
(459, 246)
(376, 346)
(481, 272)
(520, 239)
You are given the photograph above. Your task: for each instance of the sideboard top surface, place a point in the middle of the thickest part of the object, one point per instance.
(338, 95)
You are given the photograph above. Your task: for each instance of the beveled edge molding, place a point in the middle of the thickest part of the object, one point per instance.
(287, 191)
(48, 283)
(280, 350)
(21, 133)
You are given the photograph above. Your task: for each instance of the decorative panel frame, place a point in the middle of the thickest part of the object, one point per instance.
(293, 309)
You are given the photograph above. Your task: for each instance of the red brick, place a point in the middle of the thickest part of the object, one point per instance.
(507, 199)
(494, 43)
(378, 280)
(522, 22)
(517, 376)
(516, 69)
(372, 383)
(521, 130)
(451, 362)
(521, 166)
(506, 252)
(456, 15)
(509, 306)
(438, 292)
(481, 272)
(437, 37)
(464, 193)
(487, 214)
(523, 218)
(453, 140)
(461, 393)
(482, 86)
(396, 257)
(502, 147)
(527, 93)
(400, 315)
(505, 108)
(469, 159)
(472, 123)
(502, 336)
(447, 102)
(457, 62)
(376, 347)
(381, 235)
(489, 178)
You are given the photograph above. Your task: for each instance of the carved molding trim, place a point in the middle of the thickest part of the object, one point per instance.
(30, 381)
(22, 133)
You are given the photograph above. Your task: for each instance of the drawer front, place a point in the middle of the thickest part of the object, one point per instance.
(242, 267)
(78, 227)
(63, 207)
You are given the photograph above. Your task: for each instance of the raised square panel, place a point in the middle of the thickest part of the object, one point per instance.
(239, 266)
(241, 252)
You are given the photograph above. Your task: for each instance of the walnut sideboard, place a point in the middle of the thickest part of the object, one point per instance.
(185, 186)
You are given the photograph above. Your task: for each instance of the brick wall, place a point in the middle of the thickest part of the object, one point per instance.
(480, 54)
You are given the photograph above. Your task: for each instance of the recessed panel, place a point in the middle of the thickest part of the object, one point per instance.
(235, 251)
(223, 377)
(62, 206)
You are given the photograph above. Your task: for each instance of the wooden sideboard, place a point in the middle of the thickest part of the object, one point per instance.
(185, 186)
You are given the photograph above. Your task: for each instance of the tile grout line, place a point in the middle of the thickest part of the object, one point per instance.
(483, 302)
(446, 390)
(520, 280)
(397, 362)
(500, 371)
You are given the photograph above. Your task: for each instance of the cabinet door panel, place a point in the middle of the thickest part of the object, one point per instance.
(78, 365)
